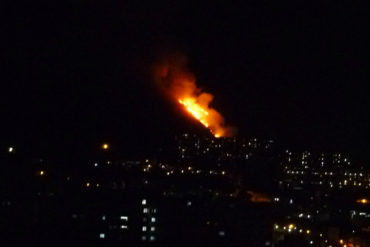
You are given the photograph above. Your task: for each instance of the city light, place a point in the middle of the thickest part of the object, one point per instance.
(42, 173)
(10, 149)
(105, 146)
(362, 201)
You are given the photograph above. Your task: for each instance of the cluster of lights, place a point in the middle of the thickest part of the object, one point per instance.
(355, 179)
(169, 170)
(123, 226)
(337, 159)
(149, 228)
(341, 243)
(291, 228)
(88, 185)
(240, 150)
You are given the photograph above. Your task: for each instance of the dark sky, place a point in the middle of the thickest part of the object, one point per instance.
(75, 73)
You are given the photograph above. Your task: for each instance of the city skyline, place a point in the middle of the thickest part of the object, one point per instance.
(185, 123)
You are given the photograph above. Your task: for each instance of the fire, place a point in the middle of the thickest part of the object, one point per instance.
(180, 85)
(197, 111)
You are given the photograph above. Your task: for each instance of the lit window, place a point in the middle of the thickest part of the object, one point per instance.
(102, 235)
(144, 228)
(152, 229)
(153, 219)
(10, 149)
(145, 210)
(103, 217)
(124, 218)
(143, 202)
(143, 238)
(152, 238)
(123, 227)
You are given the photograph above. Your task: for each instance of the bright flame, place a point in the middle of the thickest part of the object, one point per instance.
(196, 110)
(174, 80)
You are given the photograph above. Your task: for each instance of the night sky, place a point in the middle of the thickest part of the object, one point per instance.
(76, 73)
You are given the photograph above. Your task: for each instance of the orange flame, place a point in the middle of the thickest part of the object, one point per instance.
(180, 85)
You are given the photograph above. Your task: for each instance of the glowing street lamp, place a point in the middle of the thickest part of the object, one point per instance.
(362, 201)
(105, 146)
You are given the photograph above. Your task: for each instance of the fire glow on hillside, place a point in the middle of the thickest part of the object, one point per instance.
(180, 85)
